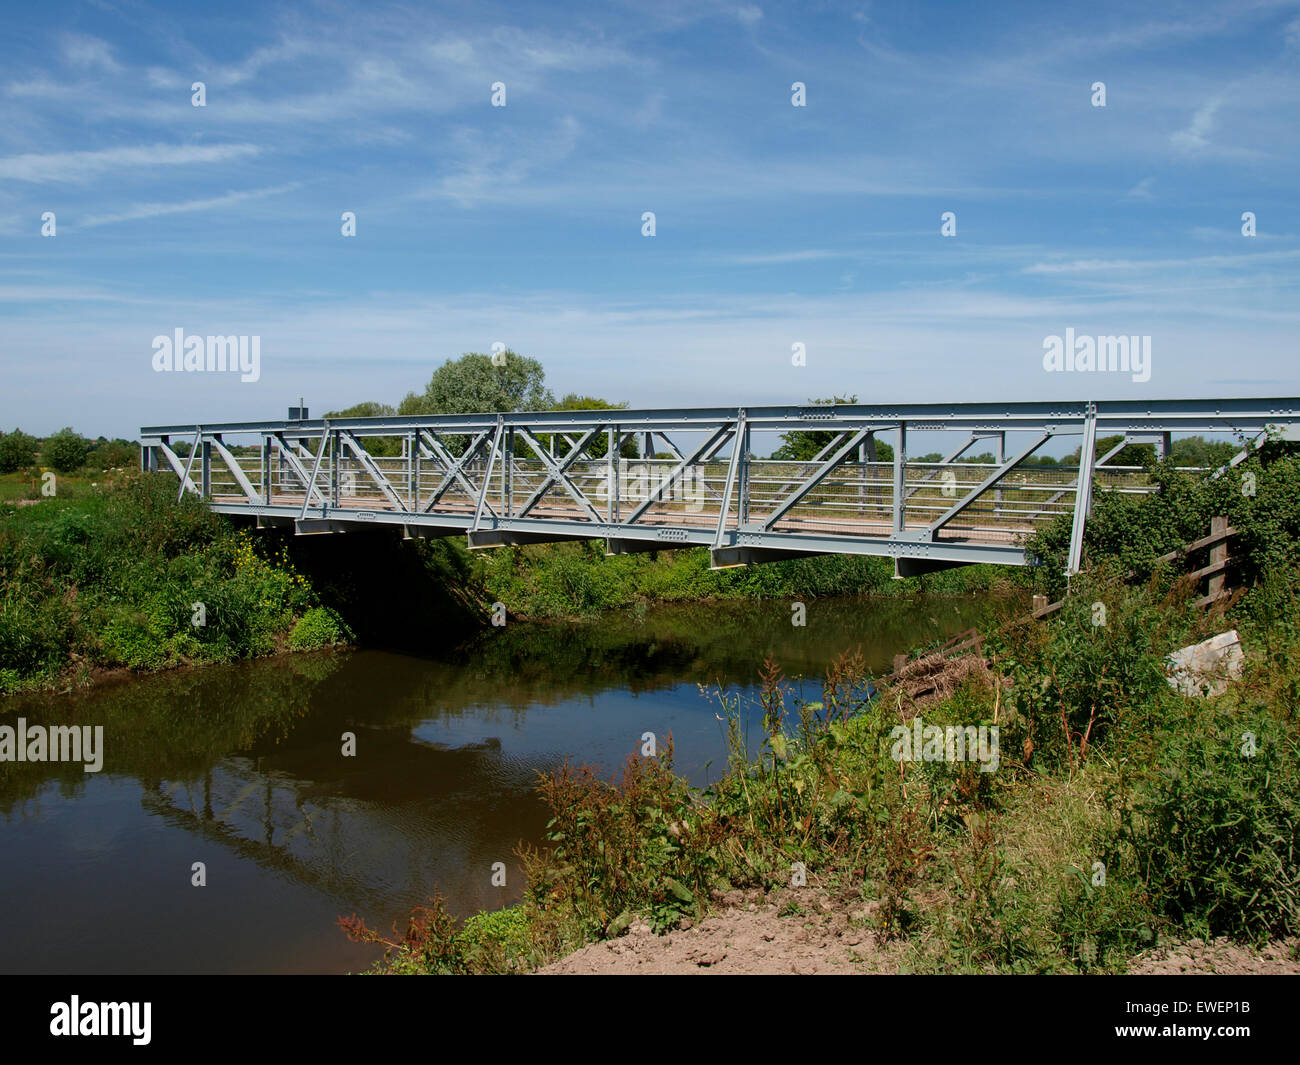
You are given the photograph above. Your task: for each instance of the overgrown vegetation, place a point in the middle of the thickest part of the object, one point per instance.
(578, 580)
(127, 576)
(1121, 813)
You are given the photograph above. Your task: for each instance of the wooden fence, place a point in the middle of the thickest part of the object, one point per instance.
(1214, 572)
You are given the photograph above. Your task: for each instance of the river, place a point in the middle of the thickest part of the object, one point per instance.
(241, 767)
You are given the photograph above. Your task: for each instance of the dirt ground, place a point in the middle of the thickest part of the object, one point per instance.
(748, 937)
(745, 937)
(1196, 958)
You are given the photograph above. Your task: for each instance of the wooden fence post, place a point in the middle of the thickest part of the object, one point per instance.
(1218, 553)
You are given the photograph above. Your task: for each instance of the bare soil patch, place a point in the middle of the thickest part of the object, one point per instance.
(749, 936)
(825, 937)
(1198, 958)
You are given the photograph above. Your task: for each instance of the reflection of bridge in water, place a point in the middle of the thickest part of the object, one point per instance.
(530, 477)
(375, 841)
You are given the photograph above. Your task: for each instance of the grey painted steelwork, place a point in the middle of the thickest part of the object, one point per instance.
(532, 477)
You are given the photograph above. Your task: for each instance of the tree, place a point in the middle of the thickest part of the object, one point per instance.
(598, 446)
(65, 450)
(1130, 455)
(17, 451)
(801, 446)
(474, 384)
(379, 446)
(368, 409)
(1197, 451)
(113, 454)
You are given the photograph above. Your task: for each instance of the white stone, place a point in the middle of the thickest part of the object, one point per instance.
(1205, 668)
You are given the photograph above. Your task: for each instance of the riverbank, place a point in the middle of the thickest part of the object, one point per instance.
(1112, 814)
(578, 580)
(119, 575)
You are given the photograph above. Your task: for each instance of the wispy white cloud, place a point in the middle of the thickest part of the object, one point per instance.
(1195, 136)
(1078, 266)
(766, 258)
(80, 50)
(87, 165)
(1142, 190)
(154, 210)
(492, 167)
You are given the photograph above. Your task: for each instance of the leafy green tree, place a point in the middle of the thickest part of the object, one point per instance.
(1191, 451)
(376, 445)
(598, 446)
(113, 454)
(801, 446)
(1197, 451)
(65, 450)
(17, 451)
(474, 384)
(368, 409)
(1131, 455)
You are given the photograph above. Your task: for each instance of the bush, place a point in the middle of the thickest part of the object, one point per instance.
(65, 451)
(492, 942)
(114, 578)
(1134, 531)
(625, 847)
(1219, 829)
(319, 627)
(113, 454)
(17, 451)
(1074, 680)
(496, 940)
(136, 640)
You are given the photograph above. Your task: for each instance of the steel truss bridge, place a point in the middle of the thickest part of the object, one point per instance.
(644, 480)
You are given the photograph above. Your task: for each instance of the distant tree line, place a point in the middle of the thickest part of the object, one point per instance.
(65, 451)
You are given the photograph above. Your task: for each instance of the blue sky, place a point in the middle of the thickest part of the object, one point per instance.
(522, 224)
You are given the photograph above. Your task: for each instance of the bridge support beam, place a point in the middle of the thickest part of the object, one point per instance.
(488, 538)
(429, 532)
(316, 526)
(914, 567)
(621, 546)
(730, 557)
